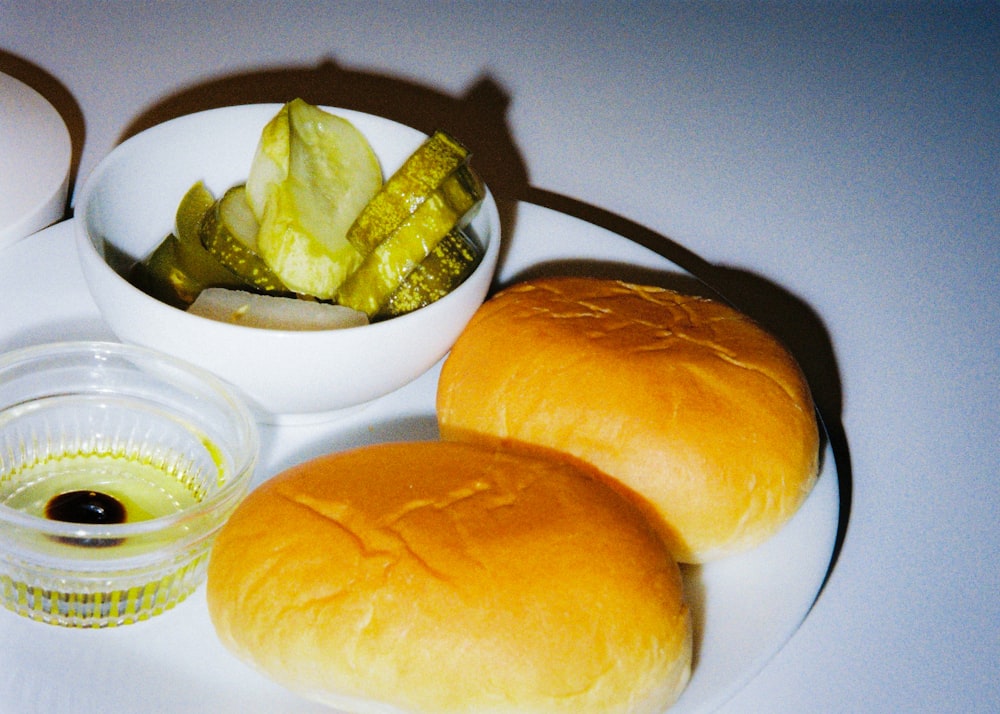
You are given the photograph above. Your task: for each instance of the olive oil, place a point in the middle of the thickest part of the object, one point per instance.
(98, 491)
(143, 490)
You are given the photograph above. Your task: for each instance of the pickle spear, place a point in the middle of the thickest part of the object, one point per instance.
(395, 257)
(180, 267)
(229, 232)
(311, 176)
(421, 175)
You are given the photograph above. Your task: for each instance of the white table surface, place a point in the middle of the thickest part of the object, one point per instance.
(834, 170)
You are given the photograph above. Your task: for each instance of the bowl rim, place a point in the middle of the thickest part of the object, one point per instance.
(237, 483)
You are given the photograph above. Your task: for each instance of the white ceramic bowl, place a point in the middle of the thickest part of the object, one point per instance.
(127, 206)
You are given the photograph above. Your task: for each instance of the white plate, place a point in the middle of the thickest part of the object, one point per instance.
(35, 156)
(745, 607)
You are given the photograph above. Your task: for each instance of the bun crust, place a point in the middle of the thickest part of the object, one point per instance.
(700, 414)
(445, 577)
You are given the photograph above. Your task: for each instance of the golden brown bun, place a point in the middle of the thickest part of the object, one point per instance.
(444, 577)
(690, 405)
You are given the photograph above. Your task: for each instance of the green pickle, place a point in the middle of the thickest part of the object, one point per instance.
(180, 267)
(421, 175)
(443, 270)
(312, 174)
(314, 218)
(229, 233)
(191, 212)
(388, 265)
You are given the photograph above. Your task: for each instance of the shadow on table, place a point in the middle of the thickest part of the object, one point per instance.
(59, 96)
(479, 117)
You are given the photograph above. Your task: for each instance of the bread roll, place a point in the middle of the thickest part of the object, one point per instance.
(698, 412)
(446, 578)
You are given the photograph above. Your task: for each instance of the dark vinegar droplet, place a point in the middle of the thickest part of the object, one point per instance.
(91, 507)
(88, 508)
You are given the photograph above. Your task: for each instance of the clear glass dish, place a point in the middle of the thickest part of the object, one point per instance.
(117, 467)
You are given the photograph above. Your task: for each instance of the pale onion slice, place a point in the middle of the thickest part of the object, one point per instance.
(239, 307)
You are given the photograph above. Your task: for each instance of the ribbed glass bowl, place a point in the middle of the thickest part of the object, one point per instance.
(118, 465)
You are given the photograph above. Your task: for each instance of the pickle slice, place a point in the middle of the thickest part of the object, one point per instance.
(180, 267)
(191, 212)
(421, 174)
(160, 276)
(443, 270)
(311, 176)
(229, 232)
(392, 260)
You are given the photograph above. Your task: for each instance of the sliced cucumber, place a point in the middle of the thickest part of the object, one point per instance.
(229, 233)
(443, 270)
(421, 175)
(191, 212)
(180, 267)
(386, 267)
(311, 176)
